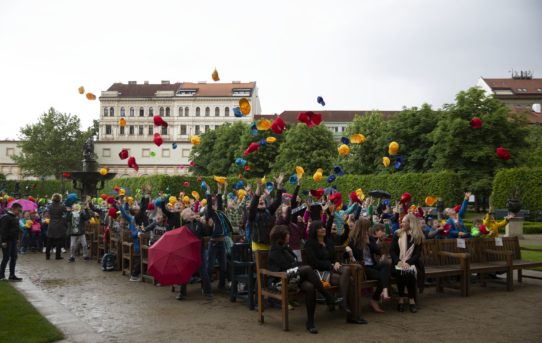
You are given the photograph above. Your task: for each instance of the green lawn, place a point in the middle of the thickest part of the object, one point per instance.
(532, 255)
(20, 322)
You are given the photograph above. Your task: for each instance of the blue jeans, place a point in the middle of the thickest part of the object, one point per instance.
(9, 254)
(217, 250)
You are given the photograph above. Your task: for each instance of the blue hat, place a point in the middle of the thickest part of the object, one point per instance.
(174, 145)
(338, 170)
(331, 178)
(203, 185)
(345, 140)
(237, 112)
(269, 186)
(240, 162)
(398, 163)
(293, 179)
(239, 185)
(262, 142)
(321, 101)
(253, 129)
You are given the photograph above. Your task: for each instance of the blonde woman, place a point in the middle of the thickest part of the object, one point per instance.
(405, 252)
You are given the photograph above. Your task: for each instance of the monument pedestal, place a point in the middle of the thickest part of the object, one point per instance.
(515, 227)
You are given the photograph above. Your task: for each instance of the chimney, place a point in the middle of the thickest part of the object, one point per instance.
(145, 82)
(132, 82)
(165, 82)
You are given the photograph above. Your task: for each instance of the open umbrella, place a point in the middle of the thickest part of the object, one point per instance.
(175, 257)
(27, 205)
(380, 194)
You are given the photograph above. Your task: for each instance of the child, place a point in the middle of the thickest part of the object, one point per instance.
(76, 220)
(25, 224)
(478, 229)
(492, 225)
(130, 218)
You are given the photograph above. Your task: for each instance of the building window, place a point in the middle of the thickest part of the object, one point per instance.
(122, 112)
(141, 129)
(161, 111)
(131, 132)
(207, 111)
(145, 152)
(121, 130)
(10, 152)
(141, 112)
(106, 112)
(180, 111)
(198, 112)
(150, 130)
(165, 153)
(186, 152)
(207, 128)
(151, 112)
(111, 112)
(164, 130)
(227, 112)
(186, 111)
(196, 130)
(217, 112)
(132, 112)
(183, 130)
(168, 112)
(108, 129)
(106, 152)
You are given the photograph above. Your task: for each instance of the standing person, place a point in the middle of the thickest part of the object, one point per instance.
(129, 216)
(76, 220)
(455, 219)
(405, 252)
(56, 233)
(9, 231)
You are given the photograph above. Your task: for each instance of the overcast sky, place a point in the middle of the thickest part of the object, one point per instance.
(358, 55)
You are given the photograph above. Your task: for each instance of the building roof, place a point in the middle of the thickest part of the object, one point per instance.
(327, 116)
(517, 86)
(134, 90)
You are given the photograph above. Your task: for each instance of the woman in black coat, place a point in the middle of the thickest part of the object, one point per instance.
(283, 259)
(56, 233)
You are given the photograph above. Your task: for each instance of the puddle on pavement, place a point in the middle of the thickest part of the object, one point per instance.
(54, 283)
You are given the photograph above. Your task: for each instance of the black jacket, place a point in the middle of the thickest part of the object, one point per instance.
(262, 220)
(198, 228)
(395, 252)
(9, 227)
(173, 218)
(374, 250)
(321, 257)
(281, 258)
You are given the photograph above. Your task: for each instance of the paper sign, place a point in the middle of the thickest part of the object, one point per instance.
(472, 198)
(498, 242)
(461, 243)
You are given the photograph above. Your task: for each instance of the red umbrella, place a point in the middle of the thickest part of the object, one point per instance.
(27, 205)
(175, 257)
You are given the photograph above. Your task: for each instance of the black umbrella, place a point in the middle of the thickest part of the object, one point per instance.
(380, 194)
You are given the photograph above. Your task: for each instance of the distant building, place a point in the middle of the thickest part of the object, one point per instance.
(188, 108)
(521, 92)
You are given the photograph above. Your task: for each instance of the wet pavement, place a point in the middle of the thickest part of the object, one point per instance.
(90, 305)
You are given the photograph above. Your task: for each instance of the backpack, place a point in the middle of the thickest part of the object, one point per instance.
(109, 262)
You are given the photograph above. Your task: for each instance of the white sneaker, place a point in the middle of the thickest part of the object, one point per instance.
(63, 250)
(54, 251)
(134, 278)
(43, 250)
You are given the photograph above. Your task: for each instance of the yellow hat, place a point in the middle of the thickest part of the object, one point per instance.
(195, 195)
(263, 125)
(393, 148)
(204, 202)
(360, 194)
(215, 75)
(220, 179)
(122, 122)
(317, 176)
(91, 96)
(122, 191)
(386, 161)
(103, 171)
(343, 150)
(430, 200)
(244, 106)
(195, 139)
(81, 90)
(271, 140)
(241, 194)
(186, 200)
(172, 200)
(299, 171)
(357, 138)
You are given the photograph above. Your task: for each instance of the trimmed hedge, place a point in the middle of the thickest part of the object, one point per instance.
(528, 181)
(36, 188)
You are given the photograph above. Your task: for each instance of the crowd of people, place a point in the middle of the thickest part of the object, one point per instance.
(269, 219)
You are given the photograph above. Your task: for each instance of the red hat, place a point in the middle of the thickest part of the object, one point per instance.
(503, 153)
(310, 118)
(103, 196)
(251, 148)
(186, 184)
(116, 188)
(354, 197)
(112, 212)
(336, 198)
(406, 197)
(123, 154)
(457, 208)
(317, 193)
(158, 139)
(150, 206)
(278, 126)
(132, 163)
(476, 123)
(110, 200)
(66, 174)
(158, 121)
(446, 230)
(483, 229)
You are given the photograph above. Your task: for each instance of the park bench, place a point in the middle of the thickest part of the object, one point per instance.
(101, 246)
(127, 255)
(285, 295)
(115, 246)
(144, 246)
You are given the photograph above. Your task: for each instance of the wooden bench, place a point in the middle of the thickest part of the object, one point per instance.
(144, 247)
(115, 247)
(284, 295)
(101, 246)
(127, 256)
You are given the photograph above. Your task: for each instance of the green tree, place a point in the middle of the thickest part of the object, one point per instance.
(412, 129)
(202, 154)
(226, 145)
(471, 152)
(261, 162)
(52, 145)
(311, 148)
(366, 158)
(531, 155)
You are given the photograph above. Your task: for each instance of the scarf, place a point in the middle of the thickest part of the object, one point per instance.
(405, 254)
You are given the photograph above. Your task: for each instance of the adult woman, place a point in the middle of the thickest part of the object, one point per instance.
(320, 251)
(282, 258)
(56, 234)
(363, 248)
(405, 253)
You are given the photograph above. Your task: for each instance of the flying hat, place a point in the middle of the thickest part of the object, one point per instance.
(343, 150)
(476, 123)
(263, 125)
(215, 76)
(158, 139)
(112, 212)
(262, 142)
(317, 193)
(269, 186)
(81, 90)
(152, 154)
(393, 148)
(331, 178)
(345, 140)
(195, 195)
(240, 162)
(503, 153)
(311, 119)
(103, 171)
(91, 96)
(186, 184)
(244, 105)
(174, 145)
(270, 139)
(357, 138)
(338, 170)
(237, 112)
(123, 154)
(132, 163)
(299, 171)
(321, 101)
(195, 140)
(251, 148)
(122, 122)
(318, 175)
(406, 197)
(336, 198)
(354, 197)
(430, 200)
(278, 126)
(220, 179)
(293, 179)
(386, 161)
(158, 121)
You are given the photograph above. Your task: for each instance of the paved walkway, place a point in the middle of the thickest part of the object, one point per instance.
(90, 305)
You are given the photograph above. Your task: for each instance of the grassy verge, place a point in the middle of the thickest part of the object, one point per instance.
(532, 255)
(20, 322)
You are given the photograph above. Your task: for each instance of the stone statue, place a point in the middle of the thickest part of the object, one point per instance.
(88, 149)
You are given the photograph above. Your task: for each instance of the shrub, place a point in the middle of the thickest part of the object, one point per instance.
(526, 180)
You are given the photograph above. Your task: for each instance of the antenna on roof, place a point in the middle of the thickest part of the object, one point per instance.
(522, 74)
